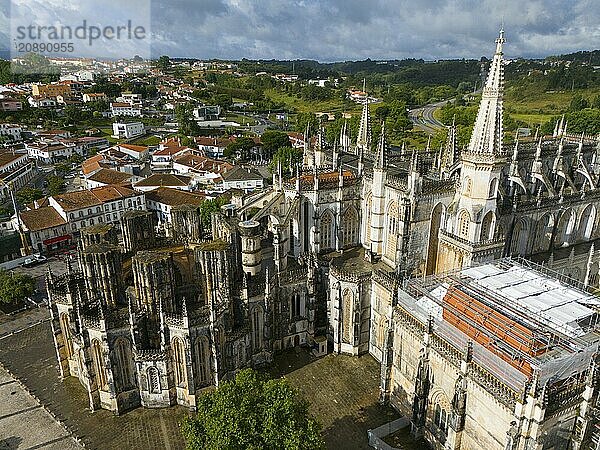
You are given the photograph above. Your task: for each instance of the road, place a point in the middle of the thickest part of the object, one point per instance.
(423, 119)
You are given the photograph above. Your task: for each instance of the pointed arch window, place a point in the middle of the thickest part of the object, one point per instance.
(327, 241)
(65, 327)
(350, 224)
(392, 231)
(123, 371)
(203, 375)
(493, 188)
(257, 328)
(179, 362)
(98, 364)
(464, 223)
(587, 221)
(368, 220)
(486, 227)
(347, 299)
(467, 186)
(381, 332)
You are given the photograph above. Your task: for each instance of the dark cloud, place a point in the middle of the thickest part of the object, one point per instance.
(331, 30)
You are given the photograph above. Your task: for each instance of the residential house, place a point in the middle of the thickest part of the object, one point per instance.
(10, 105)
(207, 112)
(41, 102)
(95, 206)
(162, 159)
(16, 171)
(94, 97)
(125, 109)
(50, 90)
(242, 178)
(157, 180)
(105, 177)
(128, 130)
(203, 170)
(135, 151)
(12, 130)
(48, 230)
(211, 146)
(163, 199)
(51, 152)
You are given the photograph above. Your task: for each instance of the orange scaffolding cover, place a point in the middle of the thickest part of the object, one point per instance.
(477, 320)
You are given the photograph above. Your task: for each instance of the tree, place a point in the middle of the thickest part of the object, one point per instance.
(15, 287)
(252, 412)
(29, 195)
(184, 114)
(207, 207)
(273, 141)
(240, 147)
(62, 168)
(55, 185)
(288, 157)
(164, 62)
(578, 103)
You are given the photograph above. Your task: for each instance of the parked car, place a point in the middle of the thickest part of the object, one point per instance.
(34, 260)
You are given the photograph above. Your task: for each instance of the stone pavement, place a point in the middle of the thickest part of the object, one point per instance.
(24, 423)
(343, 392)
(31, 357)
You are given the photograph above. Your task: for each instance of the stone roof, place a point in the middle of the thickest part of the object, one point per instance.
(41, 218)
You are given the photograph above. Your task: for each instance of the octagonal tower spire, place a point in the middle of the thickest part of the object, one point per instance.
(487, 132)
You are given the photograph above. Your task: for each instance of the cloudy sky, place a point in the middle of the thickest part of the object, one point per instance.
(326, 30)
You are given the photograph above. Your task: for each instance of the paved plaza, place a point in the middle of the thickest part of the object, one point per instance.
(343, 392)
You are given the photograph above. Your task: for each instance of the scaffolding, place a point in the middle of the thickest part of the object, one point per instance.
(502, 325)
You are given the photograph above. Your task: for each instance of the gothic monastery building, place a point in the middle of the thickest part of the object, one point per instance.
(465, 272)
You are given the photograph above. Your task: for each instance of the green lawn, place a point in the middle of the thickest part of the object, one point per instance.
(301, 105)
(533, 119)
(531, 101)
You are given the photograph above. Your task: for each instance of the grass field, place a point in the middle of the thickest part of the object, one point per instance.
(529, 101)
(533, 119)
(301, 105)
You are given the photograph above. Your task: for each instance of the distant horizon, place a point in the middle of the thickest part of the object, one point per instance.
(5, 54)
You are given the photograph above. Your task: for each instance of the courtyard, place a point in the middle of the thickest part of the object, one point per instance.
(343, 392)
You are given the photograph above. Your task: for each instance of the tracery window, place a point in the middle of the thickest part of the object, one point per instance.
(98, 363)
(202, 361)
(392, 231)
(179, 361)
(350, 227)
(347, 299)
(327, 241)
(66, 332)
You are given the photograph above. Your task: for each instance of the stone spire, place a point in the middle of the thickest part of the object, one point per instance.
(344, 138)
(381, 149)
(363, 141)
(319, 151)
(487, 132)
(308, 158)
